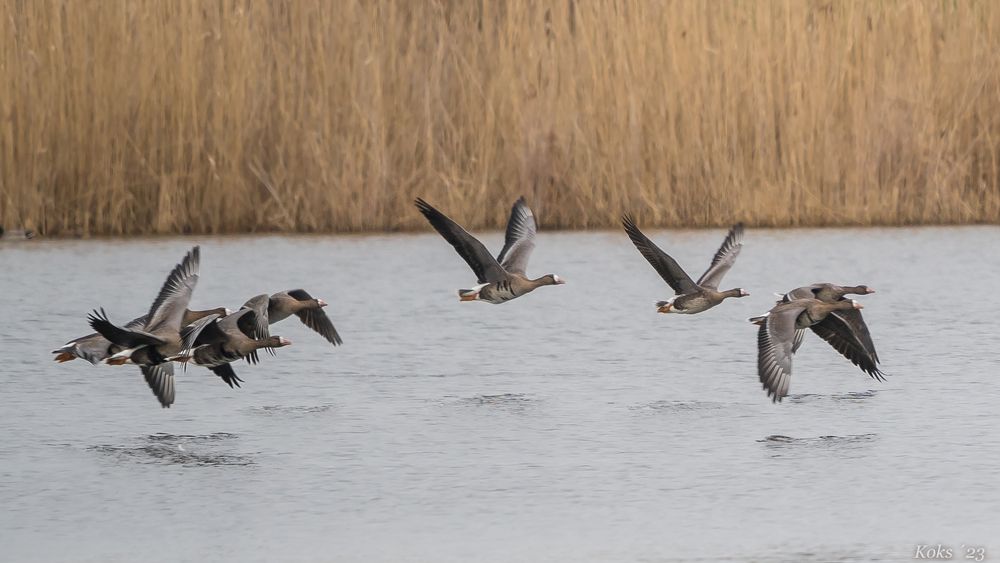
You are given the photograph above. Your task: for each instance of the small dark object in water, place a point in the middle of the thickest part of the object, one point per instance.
(17, 234)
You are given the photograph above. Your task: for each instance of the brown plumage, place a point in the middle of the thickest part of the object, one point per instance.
(692, 297)
(95, 348)
(307, 308)
(846, 330)
(776, 336)
(162, 334)
(228, 339)
(503, 278)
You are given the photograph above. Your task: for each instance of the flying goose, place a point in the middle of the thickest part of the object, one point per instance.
(308, 309)
(95, 348)
(846, 331)
(776, 336)
(298, 302)
(827, 292)
(502, 278)
(692, 297)
(162, 335)
(230, 338)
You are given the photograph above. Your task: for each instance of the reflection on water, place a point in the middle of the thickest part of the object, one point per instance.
(289, 410)
(822, 441)
(171, 449)
(574, 424)
(853, 396)
(679, 406)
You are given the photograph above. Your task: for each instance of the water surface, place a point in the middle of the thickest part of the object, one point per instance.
(574, 424)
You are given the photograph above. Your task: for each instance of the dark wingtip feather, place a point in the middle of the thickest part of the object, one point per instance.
(97, 318)
(423, 206)
(737, 230)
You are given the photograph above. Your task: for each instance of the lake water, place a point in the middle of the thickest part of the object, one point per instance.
(573, 424)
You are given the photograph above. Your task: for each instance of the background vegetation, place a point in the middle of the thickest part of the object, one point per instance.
(165, 116)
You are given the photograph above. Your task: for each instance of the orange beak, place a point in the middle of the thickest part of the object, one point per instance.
(664, 308)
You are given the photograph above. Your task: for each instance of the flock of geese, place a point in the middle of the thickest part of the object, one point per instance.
(216, 338)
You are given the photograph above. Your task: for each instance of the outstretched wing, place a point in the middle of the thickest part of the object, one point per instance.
(800, 335)
(316, 319)
(724, 258)
(225, 371)
(486, 268)
(160, 378)
(520, 238)
(774, 350)
(256, 325)
(667, 267)
(127, 338)
(804, 292)
(191, 335)
(853, 319)
(170, 304)
(840, 331)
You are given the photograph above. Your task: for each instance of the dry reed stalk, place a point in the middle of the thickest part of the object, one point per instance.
(166, 116)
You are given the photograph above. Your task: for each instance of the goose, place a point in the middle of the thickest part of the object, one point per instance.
(827, 292)
(298, 302)
(230, 338)
(692, 297)
(162, 334)
(776, 335)
(502, 278)
(95, 348)
(846, 330)
(308, 309)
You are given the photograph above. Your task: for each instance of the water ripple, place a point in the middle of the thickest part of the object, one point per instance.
(678, 406)
(778, 440)
(289, 410)
(174, 449)
(853, 397)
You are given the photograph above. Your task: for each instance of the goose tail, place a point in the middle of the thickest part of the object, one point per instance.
(471, 294)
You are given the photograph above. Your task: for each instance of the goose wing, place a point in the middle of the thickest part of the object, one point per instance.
(160, 378)
(203, 331)
(225, 371)
(841, 330)
(724, 258)
(316, 319)
(853, 319)
(520, 238)
(256, 326)
(486, 268)
(800, 335)
(806, 292)
(667, 267)
(774, 349)
(168, 308)
(244, 324)
(125, 337)
(93, 347)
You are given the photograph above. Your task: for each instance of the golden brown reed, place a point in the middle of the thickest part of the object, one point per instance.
(164, 116)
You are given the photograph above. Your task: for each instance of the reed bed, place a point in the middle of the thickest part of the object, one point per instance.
(176, 116)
